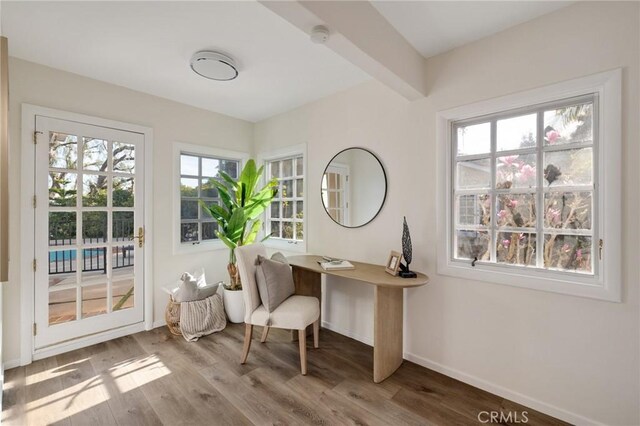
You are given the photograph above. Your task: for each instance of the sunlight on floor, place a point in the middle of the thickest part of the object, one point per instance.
(78, 394)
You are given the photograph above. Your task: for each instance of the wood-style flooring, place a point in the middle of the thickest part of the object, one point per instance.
(154, 378)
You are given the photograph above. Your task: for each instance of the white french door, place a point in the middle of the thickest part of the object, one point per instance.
(335, 193)
(89, 230)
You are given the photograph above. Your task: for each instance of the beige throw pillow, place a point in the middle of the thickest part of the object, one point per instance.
(275, 282)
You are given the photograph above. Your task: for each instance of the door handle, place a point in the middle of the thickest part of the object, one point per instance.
(139, 237)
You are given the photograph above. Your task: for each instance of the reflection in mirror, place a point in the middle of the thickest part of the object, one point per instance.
(354, 187)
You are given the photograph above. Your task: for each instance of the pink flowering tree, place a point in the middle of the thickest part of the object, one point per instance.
(565, 202)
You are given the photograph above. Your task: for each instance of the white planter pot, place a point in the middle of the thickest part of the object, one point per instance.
(234, 305)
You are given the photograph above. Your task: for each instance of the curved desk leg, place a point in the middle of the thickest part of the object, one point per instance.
(387, 332)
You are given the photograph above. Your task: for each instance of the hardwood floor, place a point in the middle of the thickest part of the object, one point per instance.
(154, 378)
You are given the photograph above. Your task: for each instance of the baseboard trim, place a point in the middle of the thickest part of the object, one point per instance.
(11, 363)
(87, 341)
(348, 333)
(503, 392)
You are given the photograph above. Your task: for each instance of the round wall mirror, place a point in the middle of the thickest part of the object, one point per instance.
(354, 187)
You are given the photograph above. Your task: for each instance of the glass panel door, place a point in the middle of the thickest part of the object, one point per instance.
(88, 275)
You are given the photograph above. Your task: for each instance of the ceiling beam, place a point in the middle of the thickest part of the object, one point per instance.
(360, 34)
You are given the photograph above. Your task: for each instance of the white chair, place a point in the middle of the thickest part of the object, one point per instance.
(295, 313)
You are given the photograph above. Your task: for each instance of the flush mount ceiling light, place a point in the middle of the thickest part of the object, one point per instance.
(214, 65)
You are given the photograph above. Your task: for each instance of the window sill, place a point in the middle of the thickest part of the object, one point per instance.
(286, 245)
(550, 281)
(203, 247)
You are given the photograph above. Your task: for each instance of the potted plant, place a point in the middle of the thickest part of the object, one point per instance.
(238, 223)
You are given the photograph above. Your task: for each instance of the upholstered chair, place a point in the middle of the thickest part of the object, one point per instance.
(295, 313)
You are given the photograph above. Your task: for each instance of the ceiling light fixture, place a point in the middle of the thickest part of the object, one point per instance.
(214, 65)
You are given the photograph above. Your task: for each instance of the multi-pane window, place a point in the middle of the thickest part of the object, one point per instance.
(197, 172)
(285, 216)
(523, 184)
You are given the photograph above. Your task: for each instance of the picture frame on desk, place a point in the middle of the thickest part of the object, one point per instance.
(393, 262)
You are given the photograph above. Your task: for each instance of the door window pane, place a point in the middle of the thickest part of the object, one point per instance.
(122, 259)
(94, 227)
(122, 226)
(62, 306)
(95, 154)
(94, 300)
(63, 189)
(62, 228)
(62, 268)
(94, 264)
(123, 294)
(94, 190)
(63, 151)
(124, 157)
(123, 192)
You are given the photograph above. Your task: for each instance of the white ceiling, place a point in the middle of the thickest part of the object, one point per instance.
(433, 27)
(146, 46)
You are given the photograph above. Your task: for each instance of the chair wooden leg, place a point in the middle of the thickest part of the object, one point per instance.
(265, 332)
(302, 338)
(248, 332)
(316, 333)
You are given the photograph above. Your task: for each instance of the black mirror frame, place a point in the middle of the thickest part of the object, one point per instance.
(384, 197)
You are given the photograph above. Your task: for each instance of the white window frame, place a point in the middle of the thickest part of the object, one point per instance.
(196, 150)
(605, 284)
(280, 154)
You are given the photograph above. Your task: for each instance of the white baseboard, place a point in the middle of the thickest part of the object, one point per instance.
(11, 363)
(501, 391)
(348, 333)
(87, 341)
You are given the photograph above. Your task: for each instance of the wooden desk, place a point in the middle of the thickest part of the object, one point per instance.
(388, 304)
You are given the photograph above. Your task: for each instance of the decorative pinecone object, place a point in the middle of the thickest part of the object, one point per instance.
(407, 251)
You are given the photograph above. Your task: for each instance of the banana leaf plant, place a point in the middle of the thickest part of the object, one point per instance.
(238, 215)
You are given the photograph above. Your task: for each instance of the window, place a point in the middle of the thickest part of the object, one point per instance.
(285, 216)
(196, 174)
(523, 183)
(524, 187)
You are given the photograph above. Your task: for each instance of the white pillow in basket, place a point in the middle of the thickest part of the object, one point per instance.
(193, 287)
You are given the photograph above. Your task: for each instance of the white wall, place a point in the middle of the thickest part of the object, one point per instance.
(572, 357)
(171, 122)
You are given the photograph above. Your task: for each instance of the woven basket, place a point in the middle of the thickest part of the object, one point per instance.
(172, 317)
